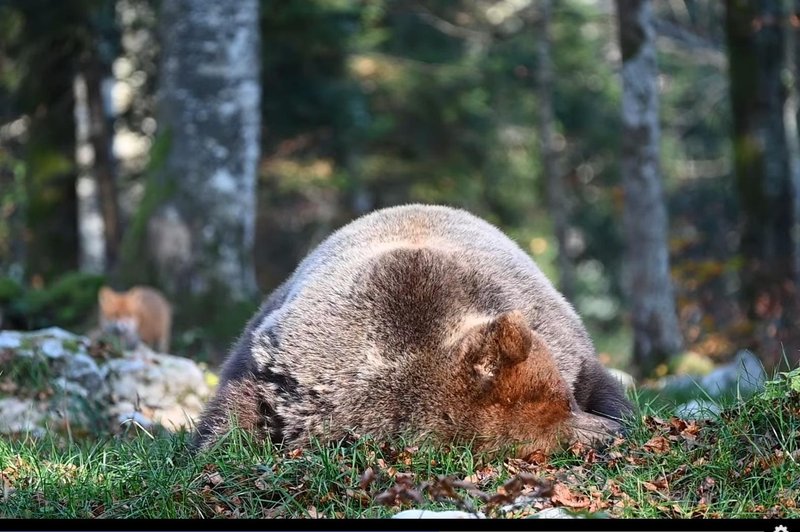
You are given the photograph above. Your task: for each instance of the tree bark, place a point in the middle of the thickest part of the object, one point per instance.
(655, 324)
(209, 107)
(756, 57)
(91, 229)
(100, 138)
(554, 180)
(792, 122)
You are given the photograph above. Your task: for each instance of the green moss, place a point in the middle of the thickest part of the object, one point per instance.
(30, 373)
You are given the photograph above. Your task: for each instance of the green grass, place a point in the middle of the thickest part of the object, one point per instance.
(744, 464)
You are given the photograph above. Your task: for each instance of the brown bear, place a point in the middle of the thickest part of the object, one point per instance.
(417, 319)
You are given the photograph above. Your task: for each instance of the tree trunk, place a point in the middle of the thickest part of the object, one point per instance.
(554, 180)
(12, 218)
(91, 229)
(51, 211)
(756, 52)
(100, 138)
(792, 122)
(209, 108)
(655, 324)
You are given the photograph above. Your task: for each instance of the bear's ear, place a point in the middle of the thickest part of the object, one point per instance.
(106, 296)
(503, 342)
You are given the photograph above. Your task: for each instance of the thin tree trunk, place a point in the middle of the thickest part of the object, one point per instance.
(100, 138)
(12, 185)
(554, 179)
(655, 324)
(90, 221)
(792, 121)
(755, 41)
(209, 108)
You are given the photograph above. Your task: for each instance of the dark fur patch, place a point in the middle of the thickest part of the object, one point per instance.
(287, 386)
(598, 392)
(411, 291)
(584, 386)
(272, 337)
(274, 422)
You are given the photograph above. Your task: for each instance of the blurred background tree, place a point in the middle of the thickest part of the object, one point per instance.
(656, 335)
(511, 109)
(201, 232)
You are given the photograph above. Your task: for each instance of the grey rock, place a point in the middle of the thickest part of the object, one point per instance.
(55, 332)
(521, 502)
(53, 348)
(10, 339)
(555, 513)
(84, 371)
(143, 386)
(698, 409)
(679, 384)
(20, 416)
(134, 417)
(64, 385)
(432, 514)
(744, 375)
(171, 388)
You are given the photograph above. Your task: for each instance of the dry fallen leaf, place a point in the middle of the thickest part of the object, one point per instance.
(367, 478)
(565, 497)
(213, 479)
(656, 485)
(657, 445)
(537, 457)
(360, 495)
(295, 453)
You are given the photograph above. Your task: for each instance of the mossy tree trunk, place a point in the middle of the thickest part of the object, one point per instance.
(95, 71)
(646, 271)
(201, 236)
(793, 133)
(557, 202)
(756, 56)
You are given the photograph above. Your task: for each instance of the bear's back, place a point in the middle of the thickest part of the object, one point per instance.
(405, 277)
(383, 326)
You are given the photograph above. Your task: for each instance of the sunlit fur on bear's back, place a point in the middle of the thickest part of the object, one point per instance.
(509, 274)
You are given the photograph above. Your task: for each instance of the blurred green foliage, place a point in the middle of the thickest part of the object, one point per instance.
(69, 301)
(368, 104)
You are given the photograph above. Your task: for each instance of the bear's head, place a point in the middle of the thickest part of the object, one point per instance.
(513, 393)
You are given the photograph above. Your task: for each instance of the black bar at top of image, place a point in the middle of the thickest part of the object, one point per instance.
(434, 525)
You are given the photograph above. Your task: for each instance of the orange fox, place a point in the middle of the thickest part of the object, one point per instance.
(141, 313)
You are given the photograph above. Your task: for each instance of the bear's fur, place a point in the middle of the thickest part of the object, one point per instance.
(417, 319)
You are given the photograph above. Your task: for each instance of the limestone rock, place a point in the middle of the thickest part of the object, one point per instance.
(433, 514)
(96, 393)
(744, 375)
(169, 389)
(698, 409)
(20, 415)
(555, 513)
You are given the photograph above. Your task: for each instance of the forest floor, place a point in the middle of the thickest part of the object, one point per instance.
(743, 464)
